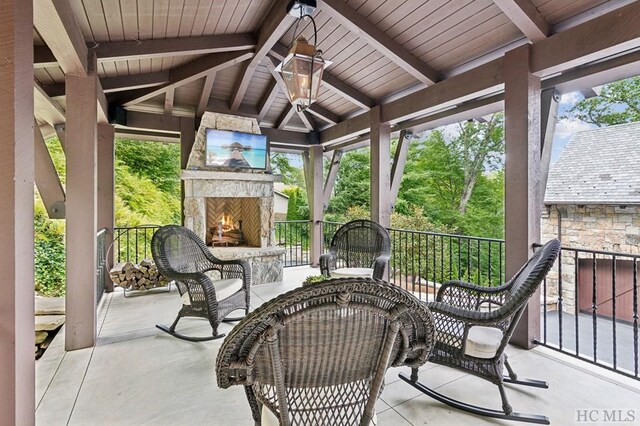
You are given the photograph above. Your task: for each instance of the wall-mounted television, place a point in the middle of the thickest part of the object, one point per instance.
(236, 150)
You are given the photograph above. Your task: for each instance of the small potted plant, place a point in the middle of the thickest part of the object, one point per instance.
(312, 279)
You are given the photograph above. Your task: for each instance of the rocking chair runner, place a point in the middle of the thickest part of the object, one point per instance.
(360, 248)
(474, 325)
(317, 355)
(182, 256)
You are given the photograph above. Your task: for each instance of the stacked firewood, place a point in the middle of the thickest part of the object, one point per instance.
(134, 276)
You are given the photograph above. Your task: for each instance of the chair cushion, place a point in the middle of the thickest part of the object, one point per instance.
(225, 288)
(270, 419)
(352, 273)
(483, 342)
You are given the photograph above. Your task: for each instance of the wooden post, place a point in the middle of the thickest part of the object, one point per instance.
(315, 195)
(80, 144)
(522, 178)
(380, 169)
(549, 109)
(332, 175)
(17, 363)
(106, 189)
(399, 161)
(187, 138)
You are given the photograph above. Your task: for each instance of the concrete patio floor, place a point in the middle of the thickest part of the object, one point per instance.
(138, 375)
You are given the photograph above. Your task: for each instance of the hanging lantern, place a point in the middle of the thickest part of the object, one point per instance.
(302, 73)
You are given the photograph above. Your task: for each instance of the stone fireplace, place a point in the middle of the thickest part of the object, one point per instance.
(232, 209)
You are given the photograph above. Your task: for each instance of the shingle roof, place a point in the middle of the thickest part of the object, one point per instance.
(600, 166)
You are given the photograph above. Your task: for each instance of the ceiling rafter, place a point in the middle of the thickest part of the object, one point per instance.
(274, 26)
(285, 117)
(526, 17)
(125, 50)
(206, 93)
(55, 22)
(379, 40)
(191, 71)
(117, 84)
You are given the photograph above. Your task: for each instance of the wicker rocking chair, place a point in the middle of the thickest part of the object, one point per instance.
(474, 325)
(317, 355)
(182, 256)
(360, 248)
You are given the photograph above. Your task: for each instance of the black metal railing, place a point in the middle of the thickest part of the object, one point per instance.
(421, 261)
(295, 237)
(101, 243)
(133, 243)
(328, 230)
(590, 308)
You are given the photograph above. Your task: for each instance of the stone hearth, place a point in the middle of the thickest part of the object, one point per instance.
(232, 209)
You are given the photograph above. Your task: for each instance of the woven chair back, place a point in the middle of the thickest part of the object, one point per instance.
(318, 354)
(359, 243)
(178, 249)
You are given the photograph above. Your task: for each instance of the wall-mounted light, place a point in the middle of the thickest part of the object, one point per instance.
(303, 67)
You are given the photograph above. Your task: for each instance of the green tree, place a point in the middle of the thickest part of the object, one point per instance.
(352, 184)
(298, 207)
(156, 161)
(479, 146)
(291, 175)
(617, 103)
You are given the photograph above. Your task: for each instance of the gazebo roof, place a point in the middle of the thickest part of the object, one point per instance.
(181, 58)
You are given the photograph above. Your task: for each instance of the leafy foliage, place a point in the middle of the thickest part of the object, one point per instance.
(617, 103)
(147, 191)
(298, 207)
(49, 253)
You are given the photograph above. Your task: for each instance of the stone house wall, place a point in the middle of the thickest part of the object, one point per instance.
(594, 227)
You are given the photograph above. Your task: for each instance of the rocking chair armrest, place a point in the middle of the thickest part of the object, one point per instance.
(467, 316)
(379, 265)
(469, 296)
(328, 262)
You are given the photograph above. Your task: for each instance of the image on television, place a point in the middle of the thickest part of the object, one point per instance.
(234, 149)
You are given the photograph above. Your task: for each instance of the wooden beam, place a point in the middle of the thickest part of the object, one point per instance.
(380, 169)
(147, 135)
(314, 188)
(323, 113)
(267, 99)
(145, 49)
(187, 139)
(615, 32)
(206, 93)
(117, 84)
(332, 175)
(399, 161)
(346, 129)
(168, 100)
(192, 71)
(105, 177)
(284, 118)
(346, 91)
(17, 374)
(379, 40)
(274, 26)
(55, 22)
(46, 108)
(80, 144)
(158, 122)
(526, 17)
(285, 137)
(47, 178)
(522, 179)
(550, 99)
(103, 104)
(307, 120)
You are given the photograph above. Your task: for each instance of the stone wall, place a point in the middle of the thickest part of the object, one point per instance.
(594, 227)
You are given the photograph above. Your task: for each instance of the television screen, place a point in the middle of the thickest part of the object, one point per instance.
(236, 150)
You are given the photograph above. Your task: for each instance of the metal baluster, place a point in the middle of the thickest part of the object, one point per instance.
(635, 316)
(613, 307)
(577, 299)
(594, 307)
(560, 299)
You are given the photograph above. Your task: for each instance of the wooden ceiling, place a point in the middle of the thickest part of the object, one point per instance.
(184, 57)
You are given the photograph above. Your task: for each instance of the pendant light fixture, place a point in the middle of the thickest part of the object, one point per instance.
(303, 67)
